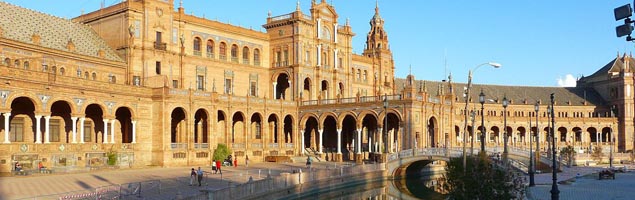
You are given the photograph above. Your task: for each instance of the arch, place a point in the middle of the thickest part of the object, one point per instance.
(306, 117)
(25, 97)
(94, 76)
(95, 112)
(592, 131)
(495, 135)
(221, 124)
(22, 114)
(370, 134)
(433, 133)
(282, 84)
(390, 111)
(341, 90)
(273, 122)
(562, 136)
(326, 115)
(124, 116)
(606, 134)
(578, 134)
(341, 116)
(245, 55)
(26, 65)
(311, 128)
(196, 45)
(57, 132)
(222, 51)
(348, 136)
(288, 129)
(329, 137)
(257, 57)
(178, 126)
(16, 63)
(256, 126)
(234, 52)
(238, 127)
(521, 137)
(62, 71)
(306, 89)
(201, 126)
(324, 89)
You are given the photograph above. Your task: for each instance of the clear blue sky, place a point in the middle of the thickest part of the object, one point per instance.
(537, 42)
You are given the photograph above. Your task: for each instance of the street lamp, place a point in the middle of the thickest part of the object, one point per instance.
(555, 193)
(481, 99)
(467, 98)
(532, 164)
(385, 136)
(505, 104)
(472, 116)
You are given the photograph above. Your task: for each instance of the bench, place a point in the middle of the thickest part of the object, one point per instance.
(606, 174)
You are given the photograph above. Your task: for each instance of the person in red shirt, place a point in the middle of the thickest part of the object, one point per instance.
(218, 167)
(235, 162)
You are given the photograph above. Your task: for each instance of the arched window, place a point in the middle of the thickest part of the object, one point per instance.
(210, 49)
(79, 73)
(62, 71)
(222, 50)
(26, 65)
(86, 75)
(197, 46)
(359, 74)
(6, 62)
(45, 68)
(234, 53)
(256, 57)
(365, 75)
(245, 55)
(54, 70)
(94, 76)
(324, 59)
(17, 63)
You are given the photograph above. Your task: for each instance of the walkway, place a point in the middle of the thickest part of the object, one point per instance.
(586, 187)
(172, 179)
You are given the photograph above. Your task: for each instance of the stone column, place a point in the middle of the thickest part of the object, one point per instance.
(335, 32)
(274, 90)
(134, 132)
(81, 130)
(335, 56)
(105, 133)
(319, 55)
(320, 131)
(74, 129)
(339, 141)
(6, 127)
(38, 132)
(359, 141)
(112, 131)
(47, 119)
(302, 141)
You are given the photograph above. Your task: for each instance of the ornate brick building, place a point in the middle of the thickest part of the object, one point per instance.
(155, 86)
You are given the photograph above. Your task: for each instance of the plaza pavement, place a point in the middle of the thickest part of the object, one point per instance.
(173, 180)
(585, 187)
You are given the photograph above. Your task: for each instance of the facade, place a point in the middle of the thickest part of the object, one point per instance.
(154, 86)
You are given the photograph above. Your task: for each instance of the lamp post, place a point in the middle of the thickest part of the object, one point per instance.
(467, 99)
(385, 122)
(505, 104)
(532, 164)
(472, 116)
(612, 138)
(555, 193)
(481, 99)
(531, 158)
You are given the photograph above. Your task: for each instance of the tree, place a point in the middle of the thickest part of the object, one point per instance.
(597, 153)
(483, 179)
(568, 153)
(221, 152)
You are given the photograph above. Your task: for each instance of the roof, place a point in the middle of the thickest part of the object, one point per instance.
(518, 95)
(614, 66)
(20, 24)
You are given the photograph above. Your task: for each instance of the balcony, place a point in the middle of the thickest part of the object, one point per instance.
(245, 61)
(222, 57)
(235, 59)
(211, 56)
(160, 46)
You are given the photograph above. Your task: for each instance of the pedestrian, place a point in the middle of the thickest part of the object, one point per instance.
(308, 162)
(192, 176)
(247, 160)
(218, 167)
(235, 162)
(200, 176)
(214, 166)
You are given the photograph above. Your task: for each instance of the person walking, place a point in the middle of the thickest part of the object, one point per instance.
(192, 176)
(214, 166)
(200, 176)
(247, 160)
(218, 167)
(235, 162)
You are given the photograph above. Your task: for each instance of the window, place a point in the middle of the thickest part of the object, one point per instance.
(87, 131)
(307, 57)
(245, 55)
(54, 130)
(45, 68)
(26, 65)
(16, 130)
(197, 46)
(175, 36)
(256, 57)
(6, 61)
(86, 75)
(79, 73)
(54, 70)
(365, 75)
(228, 86)
(339, 63)
(17, 63)
(286, 57)
(62, 71)
(200, 82)
(253, 89)
(210, 49)
(234, 53)
(359, 74)
(158, 67)
(175, 83)
(159, 36)
(136, 80)
(222, 50)
(258, 130)
(112, 78)
(94, 76)
(278, 58)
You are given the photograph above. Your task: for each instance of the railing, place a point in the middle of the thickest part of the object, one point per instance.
(256, 62)
(245, 61)
(273, 145)
(211, 55)
(309, 103)
(256, 145)
(235, 59)
(201, 145)
(222, 57)
(368, 99)
(197, 53)
(307, 17)
(348, 100)
(328, 101)
(238, 145)
(160, 46)
(281, 17)
(289, 145)
(178, 146)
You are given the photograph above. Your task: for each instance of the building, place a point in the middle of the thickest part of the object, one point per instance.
(151, 85)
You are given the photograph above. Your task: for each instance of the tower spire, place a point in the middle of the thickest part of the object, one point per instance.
(376, 6)
(297, 6)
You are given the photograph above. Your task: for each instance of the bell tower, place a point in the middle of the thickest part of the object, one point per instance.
(378, 49)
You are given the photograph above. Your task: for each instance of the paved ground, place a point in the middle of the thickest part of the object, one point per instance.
(54, 186)
(585, 187)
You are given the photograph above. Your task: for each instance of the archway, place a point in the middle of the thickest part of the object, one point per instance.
(310, 134)
(495, 135)
(221, 125)
(324, 90)
(606, 135)
(60, 124)
(238, 128)
(394, 134)
(369, 133)
(95, 113)
(578, 134)
(22, 116)
(201, 126)
(349, 138)
(562, 136)
(124, 116)
(329, 137)
(288, 129)
(520, 138)
(178, 128)
(282, 83)
(256, 126)
(306, 91)
(592, 134)
(273, 128)
(433, 133)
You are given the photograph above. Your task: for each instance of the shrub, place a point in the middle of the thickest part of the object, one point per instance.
(221, 152)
